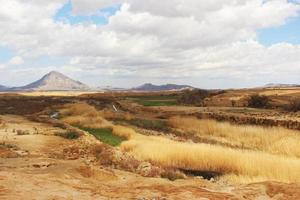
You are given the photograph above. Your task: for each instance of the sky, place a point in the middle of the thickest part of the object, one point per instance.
(125, 43)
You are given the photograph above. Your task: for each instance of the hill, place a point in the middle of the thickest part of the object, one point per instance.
(53, 81)
(280, 85)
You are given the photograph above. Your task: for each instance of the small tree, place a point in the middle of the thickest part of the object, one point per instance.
(193, 97)
(258, 101)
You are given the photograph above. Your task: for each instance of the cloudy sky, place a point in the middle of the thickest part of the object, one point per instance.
(124, 43)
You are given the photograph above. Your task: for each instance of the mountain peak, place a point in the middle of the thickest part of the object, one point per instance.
(55, 81)
(54, 73)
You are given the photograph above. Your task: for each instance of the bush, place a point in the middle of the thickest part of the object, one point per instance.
(71, 135)
(258, 101)
(172, 175)
(193, 97)
(293, 106)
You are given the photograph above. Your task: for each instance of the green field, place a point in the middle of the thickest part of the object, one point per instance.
(163, 100)
(105, 135)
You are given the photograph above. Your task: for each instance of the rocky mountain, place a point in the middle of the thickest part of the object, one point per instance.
(280, 85)
(167, 87)
(54, 81)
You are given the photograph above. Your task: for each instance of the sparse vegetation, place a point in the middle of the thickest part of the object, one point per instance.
(259, 101)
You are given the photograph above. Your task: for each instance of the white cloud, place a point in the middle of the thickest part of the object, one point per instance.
(17, 60)
(170, 38)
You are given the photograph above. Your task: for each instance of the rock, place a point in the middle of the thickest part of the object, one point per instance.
(22, 153)
(144, 169)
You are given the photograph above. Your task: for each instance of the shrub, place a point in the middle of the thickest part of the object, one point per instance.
(83, 115)
(71, 135)
(193, 97)
(293, 106)
(258, 101)
(172, 175)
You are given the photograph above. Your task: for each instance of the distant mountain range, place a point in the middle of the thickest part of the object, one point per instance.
(53, 81)
(168, 87)
(3, 88)
(280, 85)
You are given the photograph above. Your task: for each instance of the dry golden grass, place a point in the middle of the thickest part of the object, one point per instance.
(124, 132)
(84, 115)
(273, 140)
(237, 165)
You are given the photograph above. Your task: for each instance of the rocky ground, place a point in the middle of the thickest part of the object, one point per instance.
(36, 164)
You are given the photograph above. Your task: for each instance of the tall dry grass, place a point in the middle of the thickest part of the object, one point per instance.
(83, 115)
(273, 140)
(236, 164)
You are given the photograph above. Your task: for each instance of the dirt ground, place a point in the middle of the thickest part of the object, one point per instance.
(33, 165)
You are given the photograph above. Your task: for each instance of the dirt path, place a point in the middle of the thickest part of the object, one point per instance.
(33, 166)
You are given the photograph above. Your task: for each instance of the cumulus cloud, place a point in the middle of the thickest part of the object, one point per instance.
(170, 38)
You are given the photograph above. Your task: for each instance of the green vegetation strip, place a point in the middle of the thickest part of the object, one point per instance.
(158, 103)
(158, 125)
(105, 135)
(155, 100)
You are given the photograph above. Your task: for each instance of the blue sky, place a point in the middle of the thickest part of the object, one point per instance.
(5, 54)
(65, 15)
(290, 33)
